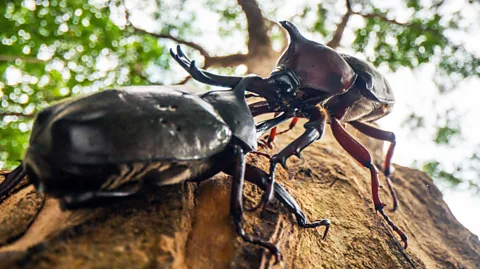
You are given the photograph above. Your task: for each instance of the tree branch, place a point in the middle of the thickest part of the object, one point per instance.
(382, 17)
(4, 114)
(176, 39)
(258, 38)
(9, 58)
(228, 60)
(167, 36)
(337, 36)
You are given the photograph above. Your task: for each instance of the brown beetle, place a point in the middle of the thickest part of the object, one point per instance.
(313, 81)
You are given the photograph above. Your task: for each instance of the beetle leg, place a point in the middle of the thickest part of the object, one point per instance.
(259, 108)
(361, 154)
(292, 125)
(202, 75)
(258, 177)
(236, 204)
(314, 130)
(266, 125)
(12, 179)
(266, 155)
(385, 136)
(269, 140)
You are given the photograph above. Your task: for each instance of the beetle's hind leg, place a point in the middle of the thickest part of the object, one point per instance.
(385, 136)
(236, 204)
(361, 154)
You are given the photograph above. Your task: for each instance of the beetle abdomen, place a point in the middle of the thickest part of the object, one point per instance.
(136, 124)
(60, 179)
(370, 80)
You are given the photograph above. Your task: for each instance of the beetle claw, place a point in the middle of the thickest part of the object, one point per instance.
(278, 257)
(266, 143)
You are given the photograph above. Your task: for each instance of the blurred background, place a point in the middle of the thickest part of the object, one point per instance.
(428, 49)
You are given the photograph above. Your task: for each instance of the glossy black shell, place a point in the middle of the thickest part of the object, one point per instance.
(316, 65)
(370, 81)
(135, 124)
(234, 110)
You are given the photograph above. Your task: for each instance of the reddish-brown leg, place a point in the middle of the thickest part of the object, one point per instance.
(385, 136)
(361, 154)
(270, 139)
(292, 125)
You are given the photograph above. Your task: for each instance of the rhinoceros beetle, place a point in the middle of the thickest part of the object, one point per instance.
(313, 81)
(372, 86)
(110, 144)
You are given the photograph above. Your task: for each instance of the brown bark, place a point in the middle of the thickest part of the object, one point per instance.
(188, 225)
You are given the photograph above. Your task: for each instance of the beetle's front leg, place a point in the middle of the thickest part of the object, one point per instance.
(258, 177)
(376, 133)
(266, 125)
(361, 154)
(314, 130)
(236, 203)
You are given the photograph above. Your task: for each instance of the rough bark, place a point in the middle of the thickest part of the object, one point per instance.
(188, 225)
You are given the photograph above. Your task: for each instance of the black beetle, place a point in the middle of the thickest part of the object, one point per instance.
(111, 143)
(313, 81)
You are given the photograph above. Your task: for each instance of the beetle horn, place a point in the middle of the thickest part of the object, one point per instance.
(292, 30)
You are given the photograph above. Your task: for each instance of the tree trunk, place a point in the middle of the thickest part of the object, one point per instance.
(188, 225)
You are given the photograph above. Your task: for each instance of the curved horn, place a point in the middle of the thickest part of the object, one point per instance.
(292, 30)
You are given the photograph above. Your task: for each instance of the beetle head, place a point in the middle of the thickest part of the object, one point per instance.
(308, 64)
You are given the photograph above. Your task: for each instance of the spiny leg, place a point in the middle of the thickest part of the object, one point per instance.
(314, 130)
(258, 177)
(361, 154)
(385, 136)
(12, 179)
(236, 203)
